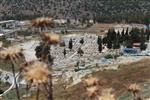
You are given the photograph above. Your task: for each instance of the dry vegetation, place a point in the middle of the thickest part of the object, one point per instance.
(118, 80)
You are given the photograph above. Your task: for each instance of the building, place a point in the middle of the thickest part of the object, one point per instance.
(9, 24)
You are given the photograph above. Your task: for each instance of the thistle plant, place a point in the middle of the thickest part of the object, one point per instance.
(93, 91)
(135, 89)
(48, 39)
(37, 74)
(42, 23)
(92, 81)
(12, 54)
(106, 95)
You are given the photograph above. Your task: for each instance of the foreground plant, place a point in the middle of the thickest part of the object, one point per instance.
(42, 22)
(51, 38)
(106, 95)
(37, 74)
(48, 39)
(12, 54)
(92, 91)
(135, 89)
(92, 81)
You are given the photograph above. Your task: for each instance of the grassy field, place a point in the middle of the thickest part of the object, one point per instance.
(137, 72)
(7, 66)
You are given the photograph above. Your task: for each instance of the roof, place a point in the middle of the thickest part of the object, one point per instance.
(130, 50)
(8, 21)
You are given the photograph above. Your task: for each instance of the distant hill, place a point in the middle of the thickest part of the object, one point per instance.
(85, 9)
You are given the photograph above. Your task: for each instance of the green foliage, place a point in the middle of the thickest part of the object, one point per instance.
(70, 44)
(42, 48)
(109, 56)
(115, 40)
(82, 41)
(108, 11)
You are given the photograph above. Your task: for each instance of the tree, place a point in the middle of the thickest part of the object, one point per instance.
(64, 52)
(143, 40)
(99, 40)
(126, 34)
(100, 48)
(147, 33)
(109, 44)
(143, 46)
(43, 52)
(82, 41)
(70, 44)
(104, 40)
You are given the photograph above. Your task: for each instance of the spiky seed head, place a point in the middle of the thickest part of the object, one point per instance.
(91, 81)
(92, 91)
(43, 22)
(135, 88)
(106, 95)
(51, 38)
(11, 52)
(37, 73)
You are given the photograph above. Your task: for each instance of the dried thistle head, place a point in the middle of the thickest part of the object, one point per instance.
(36, 72)
(92, 91)
(135, 88)
(24, 66)
(92, 81)
(106, 95)
(11, 53)
(51, 38)
(43, 22)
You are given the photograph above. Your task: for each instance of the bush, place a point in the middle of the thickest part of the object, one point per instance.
(109, 56)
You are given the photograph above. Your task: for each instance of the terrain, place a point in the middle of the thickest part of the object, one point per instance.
(99, 10)
(116, 79)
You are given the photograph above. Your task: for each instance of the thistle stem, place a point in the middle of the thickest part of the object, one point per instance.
(15, 81)
(37, 94)
(50, 95)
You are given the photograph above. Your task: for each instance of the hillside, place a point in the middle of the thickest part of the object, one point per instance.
(104, 9)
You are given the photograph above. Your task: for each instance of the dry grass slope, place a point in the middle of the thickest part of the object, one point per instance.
(137, 72)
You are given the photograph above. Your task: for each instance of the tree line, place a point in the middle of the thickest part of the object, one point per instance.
(126, 38)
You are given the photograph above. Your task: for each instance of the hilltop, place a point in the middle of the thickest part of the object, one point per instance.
(102, 10)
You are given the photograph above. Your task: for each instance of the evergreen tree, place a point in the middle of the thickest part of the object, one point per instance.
(104, 40)
(122, 36)
(40, 49)
(64, 52)
(143, 40)
(100, 48)
(147, 33)
(143, 46)
(126, 34)
(70, 44)
(99, 40)
(119, 37)
(114, 35)
(109, 44)
(82, 41)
